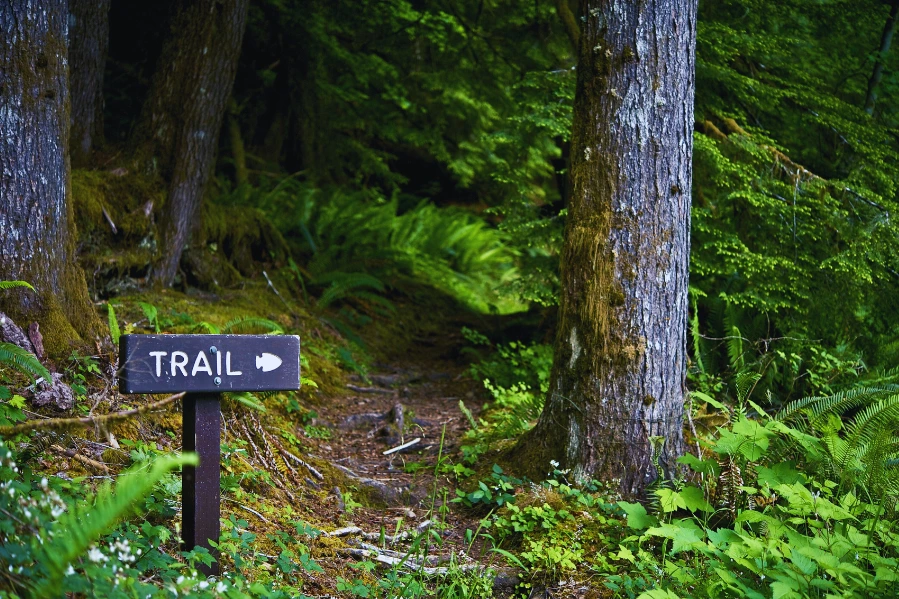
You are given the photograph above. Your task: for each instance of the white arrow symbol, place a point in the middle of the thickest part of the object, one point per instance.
(267, 362)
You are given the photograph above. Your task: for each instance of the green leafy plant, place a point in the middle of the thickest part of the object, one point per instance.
(15, 284)
(151, 313)
(23, 361)
(114, 331)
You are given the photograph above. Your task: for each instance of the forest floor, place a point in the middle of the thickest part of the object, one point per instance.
(416, 372)
(408, 487)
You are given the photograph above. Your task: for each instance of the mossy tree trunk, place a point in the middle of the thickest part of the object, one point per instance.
(88, 48)
(182, 118)
(37, 237)
(617, 387)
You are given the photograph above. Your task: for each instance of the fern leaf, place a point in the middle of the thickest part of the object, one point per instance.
(377, 299)
(12, 284)
(735, 349)
(82, 525)
(745, 384)
(23, 361)
(207, 327)
(248, 400)
(246, 324)
(151, 313)
(114, 331)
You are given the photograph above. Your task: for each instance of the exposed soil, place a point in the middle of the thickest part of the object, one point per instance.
(401, 491)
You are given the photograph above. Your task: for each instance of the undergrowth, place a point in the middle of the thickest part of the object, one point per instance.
(799, 503)
(452, 250)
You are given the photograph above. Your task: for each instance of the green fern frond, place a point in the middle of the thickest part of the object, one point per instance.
(152, 314)
(205, 327)
(23, 361)
(82, 525)
(376, 299)
(246, 399)
(13, 284)
(114, 331)
(344, 283)
(735, 348)
(300, 279)
(858, 428)
(248, 324)
(745, 383)
(836, 403)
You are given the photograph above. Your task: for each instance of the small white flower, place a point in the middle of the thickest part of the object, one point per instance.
(221, 587)
(203, 585)
(70, 571)
(96, 556)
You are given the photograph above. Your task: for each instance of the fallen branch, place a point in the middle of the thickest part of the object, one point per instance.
(249, 509)
(403, 446)
(374, 536)
(358, 389)
(311, 470)
(115, 231)
(342, 532)
(272, 285)
(55, 423)
(387, 494)
(93, 464)
(408, 561)
(394, 379)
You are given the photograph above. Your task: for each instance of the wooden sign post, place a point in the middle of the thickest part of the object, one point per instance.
(205, 366)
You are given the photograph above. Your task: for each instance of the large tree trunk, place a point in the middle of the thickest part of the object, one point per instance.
(88, 47)
(37, 238)
(182, 118)
(617, 388)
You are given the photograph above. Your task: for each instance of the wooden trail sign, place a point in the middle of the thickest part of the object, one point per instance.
(211, 363)
(205, 366)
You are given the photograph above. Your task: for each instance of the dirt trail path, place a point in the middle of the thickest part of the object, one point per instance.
(427, 382)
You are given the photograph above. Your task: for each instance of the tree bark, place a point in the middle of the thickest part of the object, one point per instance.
(886, 39)
(183, 116)
(88, 48)
(617, 386)
(37, 236)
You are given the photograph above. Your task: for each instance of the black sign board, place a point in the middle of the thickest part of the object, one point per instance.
(205, 366)
(210, 363)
